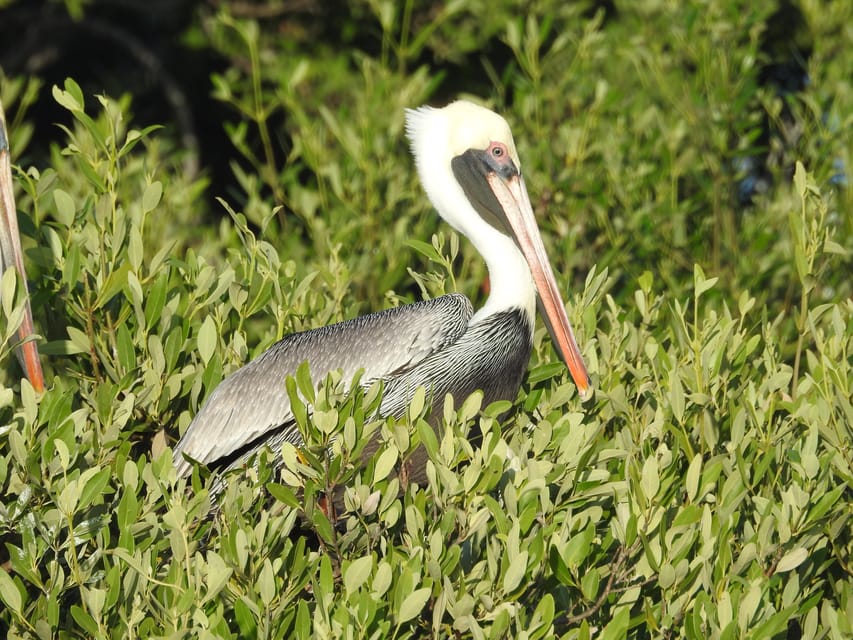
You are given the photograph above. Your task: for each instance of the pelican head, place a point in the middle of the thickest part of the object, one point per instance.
(467, 161)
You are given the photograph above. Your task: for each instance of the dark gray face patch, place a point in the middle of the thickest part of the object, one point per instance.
(471, 169)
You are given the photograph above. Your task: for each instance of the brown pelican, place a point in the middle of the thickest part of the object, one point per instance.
(11, 255)
(470, 170)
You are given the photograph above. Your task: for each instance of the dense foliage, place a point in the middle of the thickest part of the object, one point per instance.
(704, 491)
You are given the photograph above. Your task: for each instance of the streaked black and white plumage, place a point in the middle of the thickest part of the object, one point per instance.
(469, 167)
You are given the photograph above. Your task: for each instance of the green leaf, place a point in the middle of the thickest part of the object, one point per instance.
(160, 257)
(650, 478)
(558, 566)
(217, 575)
(382, 579)
(830, 246)
(416, 406)
(666, 576)
(326, 421)
(9, 593)
(126, 515)
(94, 599)
(745, 303)
(125, 348)
(152, 195)
(827, 501)
(66, 209)
(778, 624)
(134, 136)
(297, 406)
(8, 286)
(676, 396)
(115, 282)
(155, 300)
(792, 559)
(385, 463)
(578, 546)
(426, 433)
(94, 179)
(357, 573)
(207, 340)
(515, 572)
(69, 496)
(617, 627)
(471, 406)
(589, 584)
(303, 621)
(265, 585)
(23, 566)
(646, 280)
(135, 249)
(425, 249)
(73, 263)
(284, 494)
(94, 486)
(543, 616)
(413, 604)
(694, 472)
(85, 621)
(245, 620)
(326, 579)
(689, 515)
(76, 94)
(701, 284)
(800, 179)
(304, 383)
(545, 371)
(322, 526)
(134, 289)
(67, 99)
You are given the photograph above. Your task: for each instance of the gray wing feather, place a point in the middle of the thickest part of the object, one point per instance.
(253, 400)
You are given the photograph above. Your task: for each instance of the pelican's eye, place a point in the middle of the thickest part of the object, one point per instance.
(499, 160)
(498, 150)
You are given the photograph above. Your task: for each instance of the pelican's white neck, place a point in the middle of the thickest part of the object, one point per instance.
(437, 136)
(510, 282)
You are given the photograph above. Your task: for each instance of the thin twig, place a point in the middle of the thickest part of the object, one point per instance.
(615, 571)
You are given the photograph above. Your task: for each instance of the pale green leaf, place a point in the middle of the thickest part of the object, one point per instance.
(152, 195)
(416, 406)
(676, 396)
(207, 339)
(357, 573)
(650, 477)
(79, 340)
(791, 560)
(217, 575)
(694, 472)
(617, 627)
(700, 282)
(385, 463)
(515, 572)
(134, 248)
(382, 579)
(800, 178)
(65, 207)
(413, 604)
(265, 584)
(9, 592)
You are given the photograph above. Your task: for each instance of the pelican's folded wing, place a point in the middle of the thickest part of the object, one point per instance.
(253, 401)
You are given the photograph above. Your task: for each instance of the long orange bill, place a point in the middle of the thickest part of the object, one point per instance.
(511, 195)
(11, 254)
